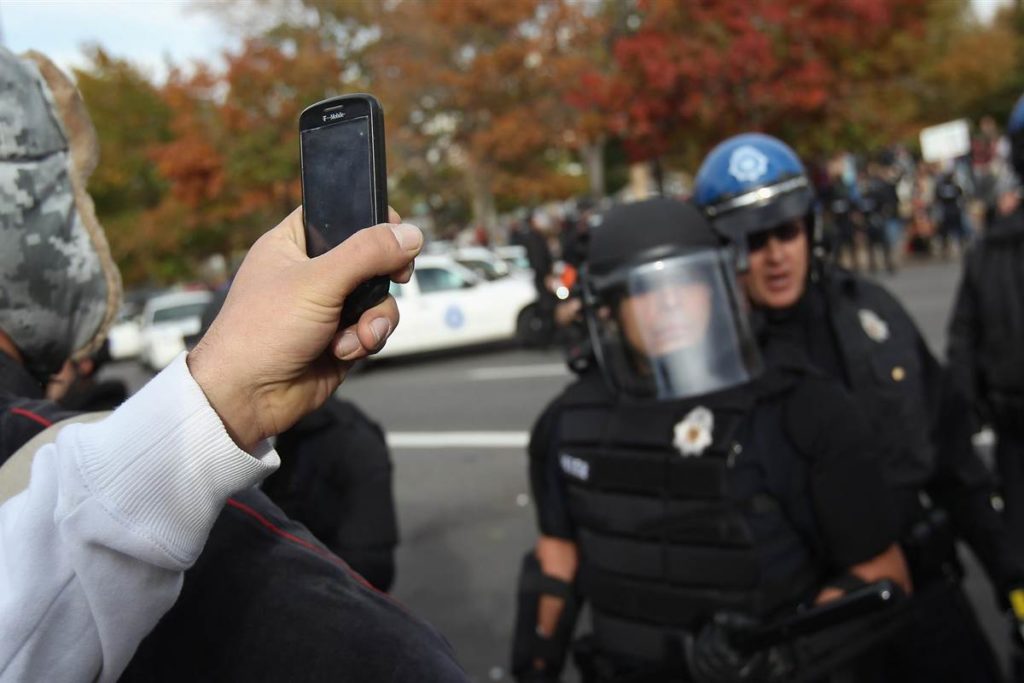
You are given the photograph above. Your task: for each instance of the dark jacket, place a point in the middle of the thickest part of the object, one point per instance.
(918, 419)
(335, 478)
(23, 410)
(266, 600)
(986, 331)
(539, 255)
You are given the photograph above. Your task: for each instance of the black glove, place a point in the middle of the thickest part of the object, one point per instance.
(535, 676)
(715, 659)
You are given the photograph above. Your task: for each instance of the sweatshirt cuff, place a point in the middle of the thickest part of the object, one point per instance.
(164, 465)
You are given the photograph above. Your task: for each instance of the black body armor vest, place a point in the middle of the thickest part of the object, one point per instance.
(666, 538)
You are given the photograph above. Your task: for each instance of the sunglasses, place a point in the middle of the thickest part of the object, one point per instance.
(786, 232)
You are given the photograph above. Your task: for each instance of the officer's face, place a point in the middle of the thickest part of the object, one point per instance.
(778, 266)
(667, 318)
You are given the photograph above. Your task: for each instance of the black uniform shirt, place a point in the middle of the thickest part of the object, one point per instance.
(917, 421)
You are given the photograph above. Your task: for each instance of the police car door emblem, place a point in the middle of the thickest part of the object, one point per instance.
(454, 318)
(876, 328)
(747, 164)
(693, 432)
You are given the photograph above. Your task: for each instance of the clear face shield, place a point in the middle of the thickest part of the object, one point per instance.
(672, 328)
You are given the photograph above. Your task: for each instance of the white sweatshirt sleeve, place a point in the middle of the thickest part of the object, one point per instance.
(92, 553)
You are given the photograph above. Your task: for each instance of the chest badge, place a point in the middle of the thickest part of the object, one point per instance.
(876, 328)
(693, 432)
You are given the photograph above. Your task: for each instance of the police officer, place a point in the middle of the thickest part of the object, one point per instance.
(876, 207)
(840, 202)
(677, 488)
(986, 336)
(950, 199)
(757, 193)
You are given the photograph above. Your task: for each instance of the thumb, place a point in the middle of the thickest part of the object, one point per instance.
(385, 249)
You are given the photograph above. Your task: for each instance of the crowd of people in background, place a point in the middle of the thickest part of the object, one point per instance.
(878, 209)
(895, 205)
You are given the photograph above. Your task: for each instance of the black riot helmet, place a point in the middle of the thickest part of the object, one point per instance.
(662, 305)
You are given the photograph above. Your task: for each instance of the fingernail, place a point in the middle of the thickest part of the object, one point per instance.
(409, 236)
(380, 328)
(349, 343)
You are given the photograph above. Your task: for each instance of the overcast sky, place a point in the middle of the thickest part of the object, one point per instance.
(144, 31)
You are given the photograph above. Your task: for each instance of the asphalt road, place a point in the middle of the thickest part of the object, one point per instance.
(458, 424)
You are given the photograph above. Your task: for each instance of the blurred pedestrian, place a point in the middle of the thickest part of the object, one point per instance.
(986, 339)
(949, 203)
(877, 201)
(539, 228)
(841, 212)
(922, 228)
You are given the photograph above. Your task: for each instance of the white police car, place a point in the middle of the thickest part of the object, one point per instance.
(166, 321)
(446, 305)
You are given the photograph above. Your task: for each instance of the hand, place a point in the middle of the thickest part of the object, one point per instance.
(274, 353)
(716, 660)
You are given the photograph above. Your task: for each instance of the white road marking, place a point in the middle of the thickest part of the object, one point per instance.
(458, 439)
(519, 372)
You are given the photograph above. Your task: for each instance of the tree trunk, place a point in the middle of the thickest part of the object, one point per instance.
(482, 197)
(593, 159)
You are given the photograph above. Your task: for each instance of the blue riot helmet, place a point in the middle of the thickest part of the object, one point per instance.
(1015, 131)
(750, 183)
(662, 305)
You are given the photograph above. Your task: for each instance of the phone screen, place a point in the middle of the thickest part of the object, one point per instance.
(337, 182)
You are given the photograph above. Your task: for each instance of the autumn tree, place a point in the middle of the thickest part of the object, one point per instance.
(233, 165)
(476, 86)
(817, 72)
(130, 118)
(975, 69)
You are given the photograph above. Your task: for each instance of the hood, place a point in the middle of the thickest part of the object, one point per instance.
(59, 286)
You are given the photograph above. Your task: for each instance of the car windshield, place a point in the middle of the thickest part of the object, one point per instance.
(433, 279)
(484, 269)
(520, 262)
(181, 312)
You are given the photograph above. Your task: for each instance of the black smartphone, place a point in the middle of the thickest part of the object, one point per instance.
(344, 182)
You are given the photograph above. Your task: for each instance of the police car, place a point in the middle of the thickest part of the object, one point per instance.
(447, 305)
(166, 321)
(482, 261)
